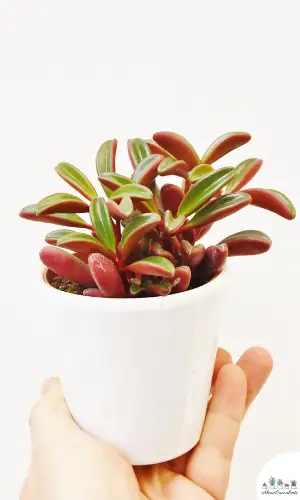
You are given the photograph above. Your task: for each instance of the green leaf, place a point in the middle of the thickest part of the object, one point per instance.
(204, 189)
(223, 145)
(272, 200)
(137, 150)
(123, 211)
(69, 220)
(135, 230)
(171, 224)
(83, 243)
(219, 208)
(113, 180)
(244, 172)
(170, 166)
(135, 191)
(146, 170)
(105, 159)
(155, 266)
(60, 202)
(126, 206)
(102, 223)
(199, 171)
(75, 178)
(248, 242)
(52, 237)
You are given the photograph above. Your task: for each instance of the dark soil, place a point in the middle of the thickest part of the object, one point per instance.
(66, 285)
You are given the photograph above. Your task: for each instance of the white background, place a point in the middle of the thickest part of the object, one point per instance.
(74, 74)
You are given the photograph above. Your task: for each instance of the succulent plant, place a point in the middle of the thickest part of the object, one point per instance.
(144, 240)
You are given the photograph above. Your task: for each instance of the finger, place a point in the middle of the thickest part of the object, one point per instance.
(209, 464)
(223, 358)
(49, 412)
(257, 365)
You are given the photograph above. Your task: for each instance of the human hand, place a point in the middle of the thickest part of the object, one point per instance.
(68, 464)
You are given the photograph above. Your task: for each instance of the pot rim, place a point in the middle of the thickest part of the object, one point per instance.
(134, 304)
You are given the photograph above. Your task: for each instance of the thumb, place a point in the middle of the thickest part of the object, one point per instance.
(50, 414)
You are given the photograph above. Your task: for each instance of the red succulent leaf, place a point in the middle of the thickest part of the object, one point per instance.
(146, 170)
(102, 223)
(61, 202)
(156, 149)
(123, 211)
(82, 256)
(137, 151)
(113, 181)
(173, 225)
(212, 262)
(197, 254)
(186, 186)
(69, 220)
(52, 237)
(77, 179)
(155, 266)
(245, 171)
(219, 208)
(171, 197)
(202, 231)
(159, 289)
(182, 279)
(223, 145)
(178, 146)
(248, 242)
(92, 292)
(134, 191)
(170, 166)
(106, 276)
(272, 200)
(83, 243)
(156, 249)
(136, 229)
(66, 265)
(190, 235)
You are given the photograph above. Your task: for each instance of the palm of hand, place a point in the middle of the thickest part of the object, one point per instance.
(70, 465)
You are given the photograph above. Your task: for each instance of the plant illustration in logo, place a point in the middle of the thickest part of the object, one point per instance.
(287, 485)
(279, 483)
(294, 483)
(272, 482)
(265, 485)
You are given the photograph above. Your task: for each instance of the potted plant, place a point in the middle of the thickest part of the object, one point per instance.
(137, 358)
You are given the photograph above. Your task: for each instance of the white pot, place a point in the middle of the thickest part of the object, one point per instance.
(137, 372)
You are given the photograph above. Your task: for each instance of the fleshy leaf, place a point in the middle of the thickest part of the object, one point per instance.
(75, 178)
(192, 254)
(178, 146)
(202, 231)
(220, 208)
(199, 171)
(135, 230)
(155, 266)
(155, 248)
(171, 197)
(204, 189)
(66, 266)
(61, 202)
(52, 237)
(244, 172)
(92, 292)
(272, 200)
(105, 160)
(113, 180)
(123, 211)
(106, 276)
(159, 289)
(102, 223)
(137, 151)
(170, 166)
(146, 170)
(156, 149)
(223, 145)
(171, 224)
(182, 279)
(248, 242)
(212, 263)
(83, 243)
(69, 220)
(135, 191)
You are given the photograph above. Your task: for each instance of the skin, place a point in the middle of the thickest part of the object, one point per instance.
(68, 464)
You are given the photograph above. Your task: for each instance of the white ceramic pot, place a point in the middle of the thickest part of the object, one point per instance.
(137, 372)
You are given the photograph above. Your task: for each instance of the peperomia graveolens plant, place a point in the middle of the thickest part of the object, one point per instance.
(144, 240)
